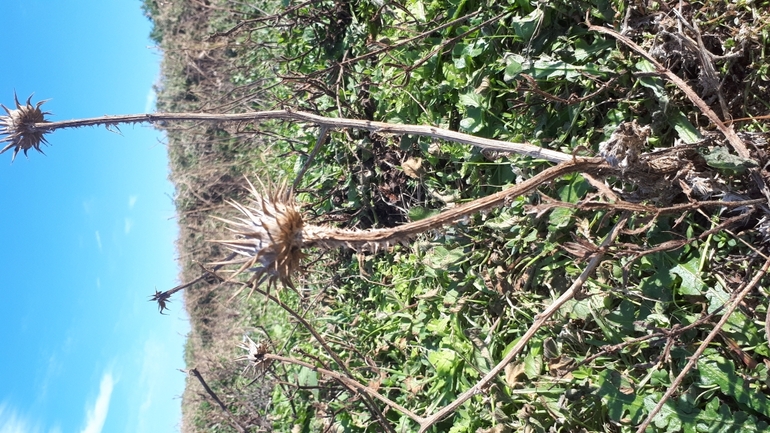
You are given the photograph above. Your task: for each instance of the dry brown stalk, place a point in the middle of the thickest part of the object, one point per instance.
(348, 382)
(727, 131)
(375, 239)
(271, 235)
(347, 378)
(736, 301)
(42, 128)
(213, 395)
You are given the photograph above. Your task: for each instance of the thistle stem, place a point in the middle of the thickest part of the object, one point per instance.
(326, 122)
(381, 238)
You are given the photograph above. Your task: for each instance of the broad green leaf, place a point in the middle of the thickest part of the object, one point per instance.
(584, 51)
(443, 360)
(525, 27)
(417, 9)
(474, 122)
(683, 127)
(559, 218)
(533, 365)
(438, 326)
(717, 418)
(669, 419)
(624, 314)
(513, 67)
(717, 296)
(441, 258)
(692, 284)
(619, 397)
(575, 190)
(653, 83)
(716, 370)
(308, 378)
(471, 99)
(721, 159)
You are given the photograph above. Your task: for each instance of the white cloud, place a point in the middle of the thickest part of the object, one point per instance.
(149, 102)
(97, 414)
(12, 422)
(150, 376)
(132, 201)
(88, 206)
(128, 224)
(99, 240)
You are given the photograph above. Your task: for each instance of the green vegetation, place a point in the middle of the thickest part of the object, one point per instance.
(423, 322)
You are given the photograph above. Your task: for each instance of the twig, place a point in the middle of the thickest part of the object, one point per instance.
(162, 297)
(196, 373)
(348, 382)
(321, 139)
(372, 407)
(728, 132)
(694, 358)
(540, 320)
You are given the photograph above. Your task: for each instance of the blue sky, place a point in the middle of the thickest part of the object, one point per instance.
(87, 231)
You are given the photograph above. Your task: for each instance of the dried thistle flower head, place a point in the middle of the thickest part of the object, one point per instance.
(255, 354)
(19, 127)
(268, 236)
(161, 298)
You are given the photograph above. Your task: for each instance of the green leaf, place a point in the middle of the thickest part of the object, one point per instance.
(533, 365)
(309, 378)
(417, 213)
(471, 99)
(584, 51)
(716, 418)
(525, 27)
(669, 419)
(474, 122)
(716, 370)
(513, 67)
(717, 297)
(559, 218)
(692, 284)
(683, 127)
(438, 326)
(441, 258)
(443, 360)
(721, 159)
(619, 397)
(653, 83)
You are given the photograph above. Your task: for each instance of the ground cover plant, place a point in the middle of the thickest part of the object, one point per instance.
(613, 282)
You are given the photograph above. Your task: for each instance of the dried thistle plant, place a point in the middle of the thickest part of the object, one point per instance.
(19, 129)
(255, 354)
(25, 127)
(268, 236)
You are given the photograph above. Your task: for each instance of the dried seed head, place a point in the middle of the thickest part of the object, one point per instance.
(19, 127)
(255, 354)
(161, 298)
(268, 236)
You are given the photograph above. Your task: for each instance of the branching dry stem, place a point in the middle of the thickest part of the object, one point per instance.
(736, 301)
(540, 320)
(344, 379)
